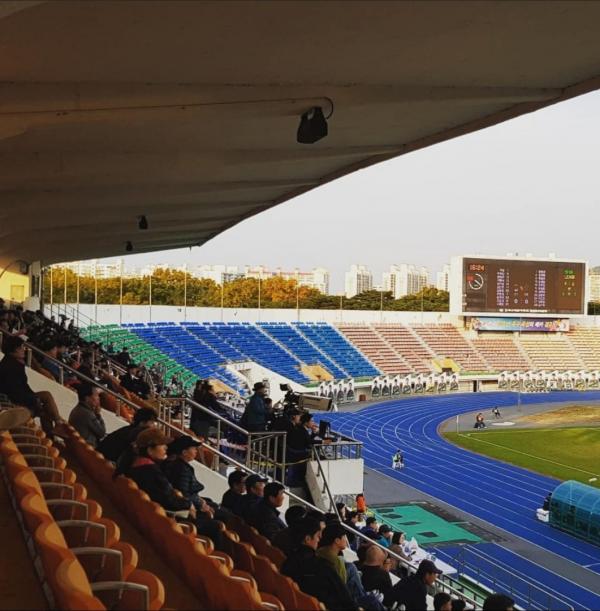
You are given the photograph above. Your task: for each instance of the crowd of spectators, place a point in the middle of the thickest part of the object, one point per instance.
(313, 542)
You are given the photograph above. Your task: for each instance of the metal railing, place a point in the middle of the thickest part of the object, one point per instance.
(170, 424)
(484, 570)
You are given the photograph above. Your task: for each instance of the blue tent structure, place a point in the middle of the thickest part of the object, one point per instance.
(575, 508)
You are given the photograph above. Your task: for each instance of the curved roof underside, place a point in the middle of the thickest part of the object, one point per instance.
(187, 111)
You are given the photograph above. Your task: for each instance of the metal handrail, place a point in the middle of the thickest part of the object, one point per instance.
(166, 425)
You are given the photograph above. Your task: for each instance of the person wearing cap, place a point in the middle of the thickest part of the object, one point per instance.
(180, 472)
(143, 467)
(86, 416)
(182, 477)
(233, 499)
(412, 590)
(255, 489)
(256, 414)
(115, 444)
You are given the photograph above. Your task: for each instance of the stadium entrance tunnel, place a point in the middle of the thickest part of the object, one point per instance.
(575, 508)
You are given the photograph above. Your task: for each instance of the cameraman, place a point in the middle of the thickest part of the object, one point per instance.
(299, 445)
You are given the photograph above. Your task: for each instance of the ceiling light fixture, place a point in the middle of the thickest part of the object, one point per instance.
(128, 246)
(142, 222)
(313, 125)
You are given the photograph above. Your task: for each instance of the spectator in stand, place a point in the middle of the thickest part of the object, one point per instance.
(333, 543)
(143, 467)
(284, 538)
(375, 577)
(385, 535)
(123, 357)
(50, 348)
(412, 590)
(371, 528)
(458, 604)
(133, 383)
(14, 384)
(115, 444)
(351, 520)
(201, 422)
(233, 499)
(442, 602)
(255, 416)
(86, 416)
(180, 473)
(498, 602)
(255, 488)
(342, 511)
(397, 546)
(264, 515)
(299, 443)
(314, 575)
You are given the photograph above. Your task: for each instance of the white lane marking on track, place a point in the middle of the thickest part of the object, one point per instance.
(557, 542)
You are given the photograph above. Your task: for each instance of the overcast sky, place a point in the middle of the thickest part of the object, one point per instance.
(530, 185)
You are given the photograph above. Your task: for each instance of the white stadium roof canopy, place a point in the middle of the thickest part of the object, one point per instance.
(187, 112)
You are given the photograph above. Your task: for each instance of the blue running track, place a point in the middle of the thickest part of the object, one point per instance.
(501, 494)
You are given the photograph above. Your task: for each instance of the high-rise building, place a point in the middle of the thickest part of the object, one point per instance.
(443, 279)
(93, 268)
(594, 284)
(405, 279)
(217, 273)
(318, 278)
(358, 280)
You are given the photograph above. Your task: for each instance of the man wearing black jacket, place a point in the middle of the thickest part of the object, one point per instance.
(314, 575)
(412, 591)
(113, 445)
(265, 516)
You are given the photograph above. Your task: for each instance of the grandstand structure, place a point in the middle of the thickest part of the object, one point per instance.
(188, 119)
(307, 354)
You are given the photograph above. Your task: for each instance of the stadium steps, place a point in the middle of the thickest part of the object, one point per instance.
(19, 585)
(376, 348)
(337, 347)
(177, 593)
(302, 349)
(408, 344)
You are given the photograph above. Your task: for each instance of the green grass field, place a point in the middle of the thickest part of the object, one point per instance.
(564, 453)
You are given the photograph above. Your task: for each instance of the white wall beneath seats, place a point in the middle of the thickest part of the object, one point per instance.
(113, 314)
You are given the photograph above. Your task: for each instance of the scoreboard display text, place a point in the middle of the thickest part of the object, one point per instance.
(523, 287)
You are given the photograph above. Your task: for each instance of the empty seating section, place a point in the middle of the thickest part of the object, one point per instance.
(502, 353)
(195, 350)
(257, 346)
(79, 556)
(141, 351)
(189, 351)
(302, 347)
(408, 345)
(586, 341)
(332, 343)
(446, 341)
(376, 348)
(550, 351)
